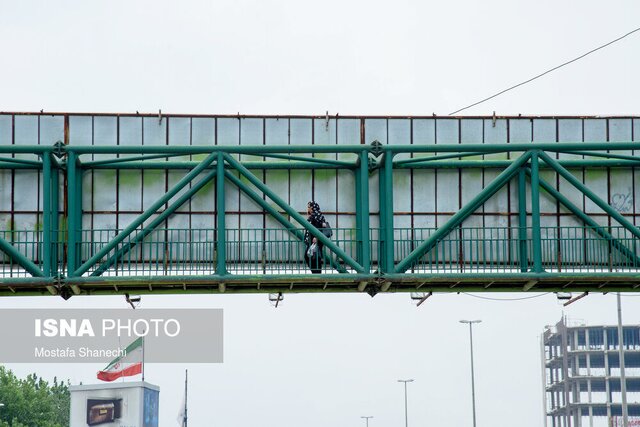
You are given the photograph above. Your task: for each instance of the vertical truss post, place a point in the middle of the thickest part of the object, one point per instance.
(72, 218)
(78, 190)
(522, 219)
(386, 214)
(535, 212)
(382, 209)
(221, 243)
(362, 209)
(55, 218)
(46, 214)
(358, 216)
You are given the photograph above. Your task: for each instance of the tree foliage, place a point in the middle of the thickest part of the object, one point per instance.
(33, 402)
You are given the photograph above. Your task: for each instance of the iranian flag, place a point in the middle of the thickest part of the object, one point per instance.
(127, 365)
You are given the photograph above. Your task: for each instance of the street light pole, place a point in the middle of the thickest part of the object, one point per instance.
(406, 412)
(623, 378)
(367, 419)
(473, 386)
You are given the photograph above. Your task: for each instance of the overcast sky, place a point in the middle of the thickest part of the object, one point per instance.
(326, 360)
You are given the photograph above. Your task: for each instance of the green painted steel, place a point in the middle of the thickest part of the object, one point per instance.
(25, 149)
(386, 213)
(20, 259)
(148, 228)
(127, 164)
(501, 164)
(590, 222)
(54, 219)
(298, 165)
(522, 219)
(20, 162)
(362, 212)
(74, 225)
(289, 226)
(590, 194)
(382, 207)
(46, 217)
(147, 257)
(558, 147)
(535, 212)
(136, 223)
(414, 161)
(299, 218)
(221, 240)
(463, 213)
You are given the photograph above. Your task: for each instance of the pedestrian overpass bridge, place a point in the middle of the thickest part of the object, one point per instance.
(139, 203)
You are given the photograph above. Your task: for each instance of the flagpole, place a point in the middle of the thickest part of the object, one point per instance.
(143, 358)
(186, 377)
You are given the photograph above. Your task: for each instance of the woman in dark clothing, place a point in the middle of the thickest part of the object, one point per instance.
(317, 220)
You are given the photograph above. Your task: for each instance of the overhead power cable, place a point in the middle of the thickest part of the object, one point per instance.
(507, 299)
(547, 72)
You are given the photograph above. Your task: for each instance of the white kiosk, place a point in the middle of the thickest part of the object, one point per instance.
(130, 404)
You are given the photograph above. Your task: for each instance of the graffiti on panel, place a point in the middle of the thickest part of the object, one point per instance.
(622, 202)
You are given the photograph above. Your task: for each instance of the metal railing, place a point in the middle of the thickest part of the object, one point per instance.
(28, 243)
(504, 250)
(275, 251)
(194, 251)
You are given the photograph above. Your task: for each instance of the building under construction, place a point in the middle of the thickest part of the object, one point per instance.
(582, 375)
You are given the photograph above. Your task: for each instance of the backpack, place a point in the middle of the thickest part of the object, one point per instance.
(326, 229)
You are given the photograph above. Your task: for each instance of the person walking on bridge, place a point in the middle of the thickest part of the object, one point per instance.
(313, 247)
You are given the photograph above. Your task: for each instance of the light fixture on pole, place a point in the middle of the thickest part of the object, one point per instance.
(367, 419)
(406, 412)
(473, 387)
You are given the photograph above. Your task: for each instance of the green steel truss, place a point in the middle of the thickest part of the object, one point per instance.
(64, 258)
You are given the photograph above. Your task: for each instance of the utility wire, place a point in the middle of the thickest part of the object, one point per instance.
(529, 297)
(547, 72)
(506, 299)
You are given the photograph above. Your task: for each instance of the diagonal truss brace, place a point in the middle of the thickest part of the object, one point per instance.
(499, 182)
(23, 261)
(140, 220)
(597, 228)
(292, 212)
(590, 194)
(148, 228)
(276, 215)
